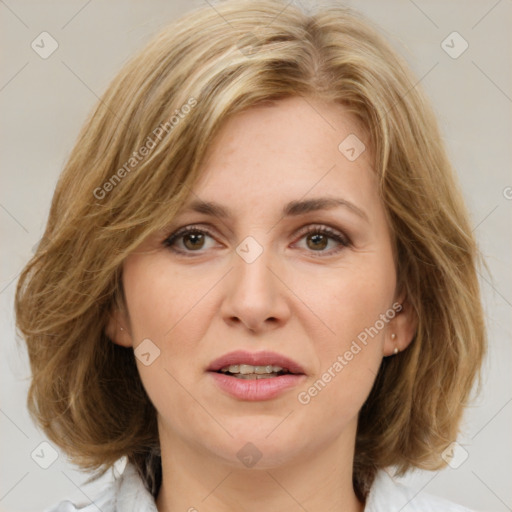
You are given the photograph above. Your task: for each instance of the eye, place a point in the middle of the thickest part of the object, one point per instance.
(192, 239)
(318, 237)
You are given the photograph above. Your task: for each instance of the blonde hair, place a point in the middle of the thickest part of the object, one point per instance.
(86, 392)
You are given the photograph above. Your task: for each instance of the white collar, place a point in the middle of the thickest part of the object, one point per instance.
(127, 493)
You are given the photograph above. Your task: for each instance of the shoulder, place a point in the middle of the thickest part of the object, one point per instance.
(126, 493)
(105, 502)
(387, 495)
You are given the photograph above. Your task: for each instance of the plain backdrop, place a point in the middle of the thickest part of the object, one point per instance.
(44, 102)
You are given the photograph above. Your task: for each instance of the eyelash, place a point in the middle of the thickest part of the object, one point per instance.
(311, 230)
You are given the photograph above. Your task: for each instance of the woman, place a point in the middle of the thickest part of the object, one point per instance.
(258, 279)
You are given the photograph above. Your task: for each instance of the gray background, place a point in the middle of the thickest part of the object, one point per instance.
(44, 102)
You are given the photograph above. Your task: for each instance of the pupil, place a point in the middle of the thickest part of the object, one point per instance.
(195, 237)
(316, 237)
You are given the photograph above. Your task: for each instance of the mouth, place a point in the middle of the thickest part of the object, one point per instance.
(250, 372)
(255, 376)
(255, 365)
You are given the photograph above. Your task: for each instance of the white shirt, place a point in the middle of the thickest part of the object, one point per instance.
(128, 494)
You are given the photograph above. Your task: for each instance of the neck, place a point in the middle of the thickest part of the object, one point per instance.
(320, 481)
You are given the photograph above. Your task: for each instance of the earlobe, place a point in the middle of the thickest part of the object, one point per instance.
(117, 329)
(401, 330)
(393, 338)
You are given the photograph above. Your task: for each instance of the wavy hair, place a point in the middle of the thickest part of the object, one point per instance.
(85, 391)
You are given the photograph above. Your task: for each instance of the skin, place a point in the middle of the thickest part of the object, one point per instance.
(299, 298)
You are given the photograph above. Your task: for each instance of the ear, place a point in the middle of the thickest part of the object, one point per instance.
(401, 328)
(118, 329)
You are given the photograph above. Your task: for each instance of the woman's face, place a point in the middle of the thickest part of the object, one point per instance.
(267, 286)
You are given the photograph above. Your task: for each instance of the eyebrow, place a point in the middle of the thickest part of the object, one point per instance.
(291, 209)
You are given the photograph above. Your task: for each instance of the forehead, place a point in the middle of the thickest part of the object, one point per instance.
(280, 152)
(291, 126)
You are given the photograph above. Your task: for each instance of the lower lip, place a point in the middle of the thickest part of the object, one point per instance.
(256, 389)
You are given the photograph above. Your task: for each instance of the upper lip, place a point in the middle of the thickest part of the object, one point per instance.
(255, 359)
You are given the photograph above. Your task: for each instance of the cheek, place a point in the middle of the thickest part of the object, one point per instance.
(160, 300)
(356, 306)
(164, 307)
(350, 358)
(352, 300)
(158, 312)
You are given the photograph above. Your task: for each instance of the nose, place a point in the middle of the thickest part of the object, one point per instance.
(255, 293)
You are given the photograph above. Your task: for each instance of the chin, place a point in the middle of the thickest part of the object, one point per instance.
(258, 444)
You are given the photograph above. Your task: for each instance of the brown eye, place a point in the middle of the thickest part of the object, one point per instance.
(318, 241)
(194, 240)
(318, 238)
(188, 240)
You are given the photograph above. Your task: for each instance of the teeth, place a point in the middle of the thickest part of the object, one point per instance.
(246, 369)
(263, 369)
(254, 376)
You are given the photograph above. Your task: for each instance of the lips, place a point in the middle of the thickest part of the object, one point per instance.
(250, 376)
